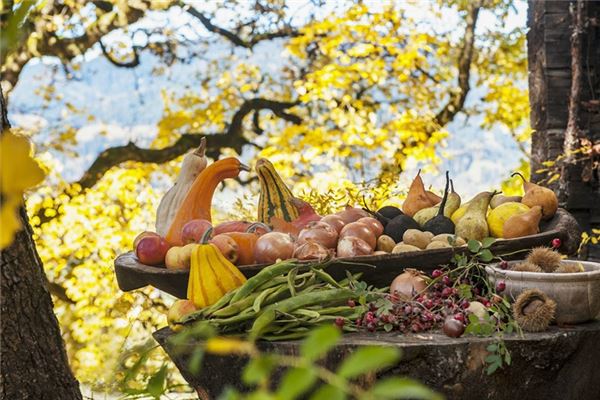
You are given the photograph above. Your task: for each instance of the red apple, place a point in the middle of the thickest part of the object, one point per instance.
(193, 230)
(227, 246)
(151, 250)
(141, 236)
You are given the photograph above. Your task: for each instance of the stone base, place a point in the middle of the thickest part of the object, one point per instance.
(562, 363)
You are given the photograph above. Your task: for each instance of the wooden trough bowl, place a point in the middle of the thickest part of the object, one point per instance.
(376, 270)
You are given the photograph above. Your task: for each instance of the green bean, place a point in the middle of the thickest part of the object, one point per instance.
(325, 277)
(268, 315)
(261, 297)
(293, 335)
(307, 313)
(291, 276)
(237, 307)
(265, 275)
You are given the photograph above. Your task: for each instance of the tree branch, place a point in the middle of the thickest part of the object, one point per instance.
(232, 137)
(127, 64)
(231, 36)
(457, 99)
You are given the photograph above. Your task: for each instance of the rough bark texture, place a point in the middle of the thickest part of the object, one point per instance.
(558, 364)
(550, 46)
(33, 360)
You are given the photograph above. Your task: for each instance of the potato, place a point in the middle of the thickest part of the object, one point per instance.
(415, 237)
(380, 253)
(438, 244)
(429, 235)
(404, 248)
(444, 238)
(178, 257)
(385, 243)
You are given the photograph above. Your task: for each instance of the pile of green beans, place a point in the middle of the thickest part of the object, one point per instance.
(283, 301)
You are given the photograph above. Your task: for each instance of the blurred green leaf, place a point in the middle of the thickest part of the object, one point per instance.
(196, 360)
(319, 342)
(258, 370)
(328, 392)
(157, 383)
(401, 388)
(368, 359)
(296, 382)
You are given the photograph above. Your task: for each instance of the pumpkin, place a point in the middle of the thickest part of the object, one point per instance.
(197, 202)
(211, 276)
(276, 199)
(192, 165)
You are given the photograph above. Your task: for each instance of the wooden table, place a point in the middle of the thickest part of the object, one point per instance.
(562, 363)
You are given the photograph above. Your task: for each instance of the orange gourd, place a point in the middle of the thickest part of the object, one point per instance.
(245, 242)
(197, 202)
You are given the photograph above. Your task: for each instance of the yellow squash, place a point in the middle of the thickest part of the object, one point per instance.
(211, 276)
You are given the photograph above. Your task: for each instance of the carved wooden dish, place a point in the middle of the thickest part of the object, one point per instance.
(376, 270)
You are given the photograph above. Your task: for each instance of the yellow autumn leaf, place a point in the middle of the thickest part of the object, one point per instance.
(223, 345)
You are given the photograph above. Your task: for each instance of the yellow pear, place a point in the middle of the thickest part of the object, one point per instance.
(498, 216)
(524, 224)
(536, 195)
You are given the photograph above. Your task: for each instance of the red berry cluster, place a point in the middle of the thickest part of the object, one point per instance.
(427, 311)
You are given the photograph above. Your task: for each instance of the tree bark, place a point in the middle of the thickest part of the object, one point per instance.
(564, 64)
(33, 360)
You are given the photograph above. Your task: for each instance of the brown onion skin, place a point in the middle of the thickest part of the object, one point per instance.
(335, 221)
(273, 246)
(227, 246)
(359, 230)
(320, 232)
(374, 225)
(310, 250)
(408, 284)
(350, 246)
(352, 214)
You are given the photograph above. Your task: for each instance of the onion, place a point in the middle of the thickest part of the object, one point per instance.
(352, 247)
(335, 221)
(352, 214)
(375, 226)
(310, 250)
(273, 246)
(320, 232)
(409, 283)
(359, 230)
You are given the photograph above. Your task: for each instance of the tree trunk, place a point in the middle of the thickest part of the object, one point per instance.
(33, 360)
(563, 43)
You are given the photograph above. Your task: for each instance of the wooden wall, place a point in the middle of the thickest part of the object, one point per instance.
(550, 27)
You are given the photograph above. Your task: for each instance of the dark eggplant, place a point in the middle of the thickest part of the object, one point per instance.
(440, 223)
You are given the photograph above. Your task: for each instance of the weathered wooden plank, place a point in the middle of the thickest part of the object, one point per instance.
(554, 365)
(376, 270)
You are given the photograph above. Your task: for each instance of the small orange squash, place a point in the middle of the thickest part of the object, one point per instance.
(197, 202)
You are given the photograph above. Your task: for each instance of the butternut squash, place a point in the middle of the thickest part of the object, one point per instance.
(193, 163)
(197, 202)
(211, 276)
(276, 199)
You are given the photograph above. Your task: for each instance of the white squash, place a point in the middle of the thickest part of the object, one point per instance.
(193, 163)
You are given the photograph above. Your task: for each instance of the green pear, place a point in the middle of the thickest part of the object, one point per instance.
(473, 225)
(452, 204)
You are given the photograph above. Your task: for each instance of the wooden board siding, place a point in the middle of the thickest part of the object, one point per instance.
(549, 56)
